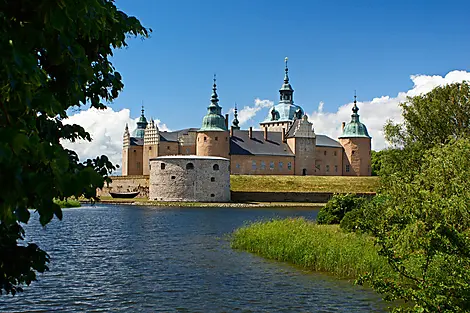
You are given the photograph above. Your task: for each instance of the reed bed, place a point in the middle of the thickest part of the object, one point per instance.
(324, 248)
(69, 203)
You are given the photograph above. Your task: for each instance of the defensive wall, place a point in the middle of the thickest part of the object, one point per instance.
(141, 183)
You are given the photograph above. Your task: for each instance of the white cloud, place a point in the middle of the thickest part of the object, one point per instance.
(106, 128)
(376, 112)
(247, 112)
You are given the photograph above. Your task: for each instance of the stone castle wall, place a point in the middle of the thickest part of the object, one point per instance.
(125, 184)
(356, 156)
(190, 178)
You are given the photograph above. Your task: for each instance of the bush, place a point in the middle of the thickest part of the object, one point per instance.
(334, 211)
(363, 217)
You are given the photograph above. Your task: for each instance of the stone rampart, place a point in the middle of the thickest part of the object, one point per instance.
(125, 184)
(314, 197)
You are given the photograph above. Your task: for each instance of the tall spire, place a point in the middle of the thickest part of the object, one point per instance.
(235, 120)
(214, 96)
(355, 128)
(355, 109)
(286, 91)
(142, 110)
(214, 119)
(286, 76)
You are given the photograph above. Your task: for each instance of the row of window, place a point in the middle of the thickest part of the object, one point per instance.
(190, 166)
(271, 165)
(215, 138)
(289, 166)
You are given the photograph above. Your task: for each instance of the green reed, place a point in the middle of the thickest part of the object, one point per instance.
(324, 248)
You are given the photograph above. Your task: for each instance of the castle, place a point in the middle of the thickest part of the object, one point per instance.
(286, 144)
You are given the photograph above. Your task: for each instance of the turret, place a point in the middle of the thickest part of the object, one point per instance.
(151, 140)
(126, 142)
(213, 137)
(356, 144)
(301, 139)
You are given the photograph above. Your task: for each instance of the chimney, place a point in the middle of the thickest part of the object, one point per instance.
(342, 126)
(265, 133)
(250, 132)
(283, 135)
(226, 121)
(231, 131)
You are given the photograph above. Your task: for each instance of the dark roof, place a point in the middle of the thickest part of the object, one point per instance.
(135, 141)
(290, 132)
(173, 136)
(325, 141)
(241, 144)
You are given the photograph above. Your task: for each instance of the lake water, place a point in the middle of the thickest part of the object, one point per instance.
(121, 258)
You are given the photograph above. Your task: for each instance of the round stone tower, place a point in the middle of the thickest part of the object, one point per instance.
(356, 144)
(213, 137)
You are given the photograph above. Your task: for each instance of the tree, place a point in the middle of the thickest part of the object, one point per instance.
(54, 57)
(423, 230)
(423, 227)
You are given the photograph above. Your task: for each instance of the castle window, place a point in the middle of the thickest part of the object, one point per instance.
(237, 165)
(347, 168)
(162, 166)
(353, 152)
(212, 179)
(216, 138)
(335, 153)
(289, 165)
(187, 150)
(173, 177)
(324, 153)
(226, 138)
(327, 168)
(150, 148)
(263, 165)
(168, 147)
(253, 165)
(135, 151)
(280, 165)
(336, 168)
(215, 167)
(212, 195)
(271, 165)
(205, 138)
(190, 166)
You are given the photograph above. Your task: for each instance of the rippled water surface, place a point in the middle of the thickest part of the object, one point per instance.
(109, 258)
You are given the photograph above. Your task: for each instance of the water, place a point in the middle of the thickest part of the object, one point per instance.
(144, 259)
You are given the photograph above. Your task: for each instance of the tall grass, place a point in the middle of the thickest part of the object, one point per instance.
(315, 247)
(69, 203)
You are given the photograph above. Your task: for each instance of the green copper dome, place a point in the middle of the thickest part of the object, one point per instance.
(355, 129)
(285, 110)
(141, 125)
(213, 121)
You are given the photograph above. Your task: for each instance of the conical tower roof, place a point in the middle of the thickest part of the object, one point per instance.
(213, 120)
(355, 129)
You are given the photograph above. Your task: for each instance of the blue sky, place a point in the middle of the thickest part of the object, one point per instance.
(334, 47)
(386, 50)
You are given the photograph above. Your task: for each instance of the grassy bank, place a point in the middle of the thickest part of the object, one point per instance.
(275, 183)
(69, 203)
(315, 247)
(145, 201)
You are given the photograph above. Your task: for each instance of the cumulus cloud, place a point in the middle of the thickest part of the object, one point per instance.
(376, 112)
(106, 128)
(248, 112)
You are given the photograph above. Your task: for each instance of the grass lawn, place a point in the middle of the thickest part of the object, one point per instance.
(277, 183)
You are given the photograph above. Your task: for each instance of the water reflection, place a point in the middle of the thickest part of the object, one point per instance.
(143, 259)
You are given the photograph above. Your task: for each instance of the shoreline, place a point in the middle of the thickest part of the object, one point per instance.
(145, 202)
